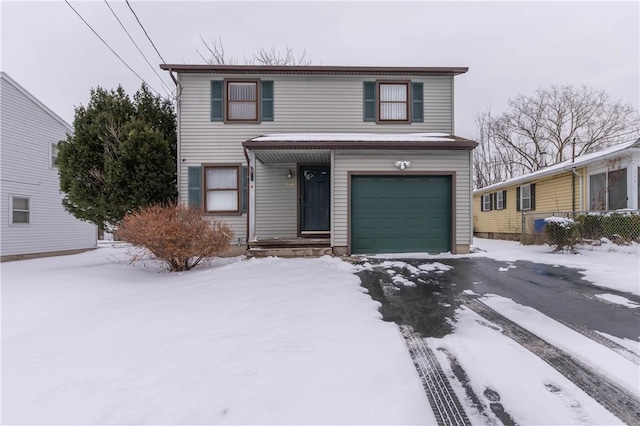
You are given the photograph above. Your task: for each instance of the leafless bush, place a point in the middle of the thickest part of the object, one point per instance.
(177, 235)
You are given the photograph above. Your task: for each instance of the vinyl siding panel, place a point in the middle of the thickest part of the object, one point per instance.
(276, 201)
(27, 131)
(302, 104)
(425, 161)
(553, 194)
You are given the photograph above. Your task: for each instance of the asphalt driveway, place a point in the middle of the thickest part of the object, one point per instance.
(556, 291)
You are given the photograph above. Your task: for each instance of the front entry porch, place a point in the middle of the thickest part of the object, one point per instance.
(290, 247)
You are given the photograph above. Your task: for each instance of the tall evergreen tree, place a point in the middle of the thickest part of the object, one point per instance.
(121, 156)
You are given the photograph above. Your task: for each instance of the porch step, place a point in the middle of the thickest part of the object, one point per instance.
(290, 243)
(290, 251)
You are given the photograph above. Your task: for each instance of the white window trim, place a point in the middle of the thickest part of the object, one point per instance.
(238, 188)
(11, 197)
(499, 200)
(522, 198)
(486, 198)
(606, 171)
(51, 148)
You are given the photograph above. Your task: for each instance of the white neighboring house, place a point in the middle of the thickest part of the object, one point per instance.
(34, 222)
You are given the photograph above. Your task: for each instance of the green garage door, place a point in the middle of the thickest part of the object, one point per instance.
(400, 214)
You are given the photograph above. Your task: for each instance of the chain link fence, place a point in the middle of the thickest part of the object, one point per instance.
(609, 231)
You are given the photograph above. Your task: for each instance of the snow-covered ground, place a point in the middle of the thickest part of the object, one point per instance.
(89, 339)
(92, 339)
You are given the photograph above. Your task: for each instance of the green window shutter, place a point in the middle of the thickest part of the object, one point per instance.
(266, 100)
(217, 100)
(504, 199)
(518, 199)
(417, 103)
(194, 193)
(245, 190)
(369, 100)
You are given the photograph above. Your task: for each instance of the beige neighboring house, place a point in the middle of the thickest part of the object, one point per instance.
(34, 222)
(326, 159)
(605, 180)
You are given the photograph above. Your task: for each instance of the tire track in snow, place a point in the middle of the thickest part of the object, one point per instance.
(610, 395)
(445, 405)
(604, 341)
(444, 402)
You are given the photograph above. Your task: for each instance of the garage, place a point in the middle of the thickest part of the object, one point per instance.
(401, 213)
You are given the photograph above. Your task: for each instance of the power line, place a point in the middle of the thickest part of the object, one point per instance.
(164, 85)
(145, 32)
(113, 51)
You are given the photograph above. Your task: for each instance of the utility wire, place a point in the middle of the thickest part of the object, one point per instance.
(113, 51)
(164, 85)
(145, 31)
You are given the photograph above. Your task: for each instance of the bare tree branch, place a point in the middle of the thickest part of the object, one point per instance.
(215, 55)
(547, 122)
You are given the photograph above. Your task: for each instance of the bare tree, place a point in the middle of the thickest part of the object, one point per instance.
(539, 130)
(263, 56)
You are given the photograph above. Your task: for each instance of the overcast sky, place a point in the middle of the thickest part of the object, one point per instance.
(509, 47)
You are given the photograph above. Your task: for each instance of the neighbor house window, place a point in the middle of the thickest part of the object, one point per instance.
(221, 189)
(54, 153)
(393, 101)
(608, 191)
(499, 200)
(20, 210)
(242, 101)
(525, 197)
(486, 202)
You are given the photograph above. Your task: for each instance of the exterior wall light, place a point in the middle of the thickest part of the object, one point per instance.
(403, 164)
(289, 174)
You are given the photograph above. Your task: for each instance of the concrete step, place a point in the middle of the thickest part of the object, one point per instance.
(289, 251)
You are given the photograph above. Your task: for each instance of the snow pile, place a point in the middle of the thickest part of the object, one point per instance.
(562, 222)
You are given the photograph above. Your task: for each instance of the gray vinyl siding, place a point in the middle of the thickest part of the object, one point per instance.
(426, 161)
(276, 206)
(27, 130)
(302, 104)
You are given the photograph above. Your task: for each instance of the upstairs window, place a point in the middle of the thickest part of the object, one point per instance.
(242, 101)
(393, 101)
(394, 105)
(54, 153)
(20, 210)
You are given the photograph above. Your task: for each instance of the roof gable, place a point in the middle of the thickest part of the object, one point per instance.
(4, 76)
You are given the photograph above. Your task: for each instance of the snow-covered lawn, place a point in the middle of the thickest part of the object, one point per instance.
(89, 339)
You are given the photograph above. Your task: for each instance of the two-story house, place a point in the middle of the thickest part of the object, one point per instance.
(354, 159)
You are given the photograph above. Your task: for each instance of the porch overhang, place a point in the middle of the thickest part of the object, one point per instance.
(321, 144)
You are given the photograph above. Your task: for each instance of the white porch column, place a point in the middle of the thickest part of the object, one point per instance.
(252, 197)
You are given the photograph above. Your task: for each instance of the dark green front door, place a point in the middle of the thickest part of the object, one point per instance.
(400, 214)
(315, 196)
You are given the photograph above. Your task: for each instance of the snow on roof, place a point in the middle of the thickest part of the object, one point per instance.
(563, 166)
(359, 137)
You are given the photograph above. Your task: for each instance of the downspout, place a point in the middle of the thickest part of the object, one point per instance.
(573, 176)
(246, 156)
